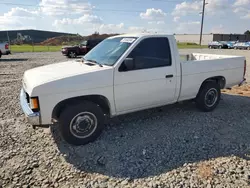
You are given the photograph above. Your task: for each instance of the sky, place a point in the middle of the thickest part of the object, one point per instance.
(126, 16)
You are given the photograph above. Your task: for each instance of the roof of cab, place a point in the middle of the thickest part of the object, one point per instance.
(139, 35)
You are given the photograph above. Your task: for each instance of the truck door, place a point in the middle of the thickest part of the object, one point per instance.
(152, 81)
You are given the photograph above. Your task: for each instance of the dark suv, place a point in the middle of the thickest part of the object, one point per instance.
(81, 49)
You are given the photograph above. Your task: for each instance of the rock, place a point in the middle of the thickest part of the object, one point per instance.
(45, 181)
(101, 161)
(25, 186)
(103, 185)
(209, 185)
(29, 171)
(124, 182)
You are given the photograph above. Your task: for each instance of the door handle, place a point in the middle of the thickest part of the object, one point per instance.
(169, 76)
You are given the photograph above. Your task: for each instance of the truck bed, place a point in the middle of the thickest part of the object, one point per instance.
(197, 67)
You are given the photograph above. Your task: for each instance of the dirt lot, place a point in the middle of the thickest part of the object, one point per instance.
(174, 146)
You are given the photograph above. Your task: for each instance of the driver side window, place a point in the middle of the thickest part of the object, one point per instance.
(151, 53)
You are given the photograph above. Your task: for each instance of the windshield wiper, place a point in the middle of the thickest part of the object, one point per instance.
(83, 59)
(93, 61)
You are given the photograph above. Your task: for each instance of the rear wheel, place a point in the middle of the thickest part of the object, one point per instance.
(82, 123)
(209, 96)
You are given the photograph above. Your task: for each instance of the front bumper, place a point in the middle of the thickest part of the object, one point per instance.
(64, 52)
(32, 117)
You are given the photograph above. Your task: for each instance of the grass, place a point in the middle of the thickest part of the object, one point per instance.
(190, 45)
(39, 48)
(36, 48)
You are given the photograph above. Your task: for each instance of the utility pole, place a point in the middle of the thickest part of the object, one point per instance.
(202, 19)
(8, 39)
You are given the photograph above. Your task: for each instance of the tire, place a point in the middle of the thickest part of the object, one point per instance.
(75, 118)
(72, 54)
(220, 47)
(208, 89)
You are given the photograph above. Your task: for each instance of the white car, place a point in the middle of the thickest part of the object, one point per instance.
(123, 74)
(4, 49)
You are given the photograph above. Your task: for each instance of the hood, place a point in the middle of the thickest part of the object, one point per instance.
(49, 73)
(70, 46)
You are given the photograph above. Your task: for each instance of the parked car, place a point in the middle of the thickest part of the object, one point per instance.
(123, 74)
(4, 49)
(230, 44)
(242, 45)
(81, 49)
(217, 44)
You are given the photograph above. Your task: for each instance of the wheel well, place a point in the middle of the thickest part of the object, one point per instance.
(218, 79)
(98, 99)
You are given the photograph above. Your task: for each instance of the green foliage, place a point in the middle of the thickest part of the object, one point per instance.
(36, 48)
(183, 45)
(247, 32)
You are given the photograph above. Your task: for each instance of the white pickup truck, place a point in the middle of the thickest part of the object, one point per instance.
(123, 74)
(4, 49)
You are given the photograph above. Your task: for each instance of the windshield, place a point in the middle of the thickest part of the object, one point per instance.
(110, 50)
(84, 43)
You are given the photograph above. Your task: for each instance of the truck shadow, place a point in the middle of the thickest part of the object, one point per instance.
(156, 141)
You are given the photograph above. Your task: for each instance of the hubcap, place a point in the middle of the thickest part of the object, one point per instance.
(83, 124)
(211, 97)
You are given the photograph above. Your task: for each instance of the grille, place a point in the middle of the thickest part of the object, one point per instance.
(27, 97)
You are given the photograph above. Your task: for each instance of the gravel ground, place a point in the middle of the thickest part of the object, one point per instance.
(174, 146)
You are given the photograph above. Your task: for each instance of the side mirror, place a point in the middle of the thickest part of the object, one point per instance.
(129, 64)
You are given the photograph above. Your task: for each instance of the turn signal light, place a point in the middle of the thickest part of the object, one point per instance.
(34, 104)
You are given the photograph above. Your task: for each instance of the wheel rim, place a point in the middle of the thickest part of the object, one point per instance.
(211, 97)
(72, 54)
(83, 125)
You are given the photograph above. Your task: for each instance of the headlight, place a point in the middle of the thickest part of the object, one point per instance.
(34, 103)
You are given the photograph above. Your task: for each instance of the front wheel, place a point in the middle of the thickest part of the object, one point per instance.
(208, 97)
(82, 123)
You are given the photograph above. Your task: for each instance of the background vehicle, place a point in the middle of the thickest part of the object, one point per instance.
(230, 44)
(124, 74)
(242, 45)
(81, 49)
(217, 44)
(4, 49)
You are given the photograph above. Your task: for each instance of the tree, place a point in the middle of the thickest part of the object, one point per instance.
(247, 32)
